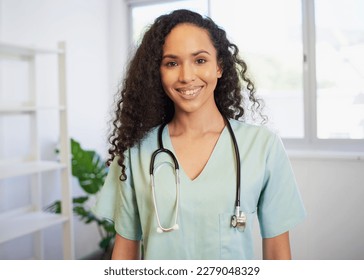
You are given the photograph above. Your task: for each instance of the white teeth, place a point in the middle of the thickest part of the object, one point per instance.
(189, 92)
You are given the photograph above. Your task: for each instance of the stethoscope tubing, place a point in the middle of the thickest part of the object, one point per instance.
(237, 160)
(161, 149)
(152, 168)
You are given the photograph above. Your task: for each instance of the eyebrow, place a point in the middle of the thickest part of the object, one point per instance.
(173, 56)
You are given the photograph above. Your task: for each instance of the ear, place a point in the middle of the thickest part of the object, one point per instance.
(219, 71)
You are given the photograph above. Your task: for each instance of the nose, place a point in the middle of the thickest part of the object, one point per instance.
(187, 73)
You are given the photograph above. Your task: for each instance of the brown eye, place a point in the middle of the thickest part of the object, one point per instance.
(171, 64)
(200, 61)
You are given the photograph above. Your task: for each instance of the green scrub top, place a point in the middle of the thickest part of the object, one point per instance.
(268, 189)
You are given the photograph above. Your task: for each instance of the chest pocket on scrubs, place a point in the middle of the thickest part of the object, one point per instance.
(235, 244)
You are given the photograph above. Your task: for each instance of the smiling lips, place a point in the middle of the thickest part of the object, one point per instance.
(190, 92)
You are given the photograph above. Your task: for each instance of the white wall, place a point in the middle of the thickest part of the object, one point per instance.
(333, 191)
(94, 31)
(95, 36)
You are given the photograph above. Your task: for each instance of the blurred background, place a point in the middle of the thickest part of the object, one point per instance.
(306, 58)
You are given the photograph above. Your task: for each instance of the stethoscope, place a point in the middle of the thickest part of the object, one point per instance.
(238, 220)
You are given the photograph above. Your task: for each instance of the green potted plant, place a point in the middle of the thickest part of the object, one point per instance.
(90, 171)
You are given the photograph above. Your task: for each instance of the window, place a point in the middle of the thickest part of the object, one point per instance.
(340, 68)
(306, 58)
(270, 41)
(144, 14)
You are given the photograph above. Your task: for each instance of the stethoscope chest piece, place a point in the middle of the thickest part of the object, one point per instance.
(238, 221)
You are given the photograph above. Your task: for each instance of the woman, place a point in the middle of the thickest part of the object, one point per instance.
(187, 75)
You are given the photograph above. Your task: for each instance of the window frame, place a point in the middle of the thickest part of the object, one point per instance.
(310, 144)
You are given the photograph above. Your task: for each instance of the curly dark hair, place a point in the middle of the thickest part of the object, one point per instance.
(142, 103)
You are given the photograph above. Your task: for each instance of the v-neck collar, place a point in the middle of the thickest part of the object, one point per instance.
(212, 160)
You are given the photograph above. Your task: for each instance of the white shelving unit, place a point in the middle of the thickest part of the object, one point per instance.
(31, 219)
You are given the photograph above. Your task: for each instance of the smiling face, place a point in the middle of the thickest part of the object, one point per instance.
(189, 69)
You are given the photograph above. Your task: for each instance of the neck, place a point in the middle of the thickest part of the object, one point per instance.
(197, 122)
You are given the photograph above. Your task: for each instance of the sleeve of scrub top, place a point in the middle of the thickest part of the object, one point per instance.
(280, 206)
(116, 201)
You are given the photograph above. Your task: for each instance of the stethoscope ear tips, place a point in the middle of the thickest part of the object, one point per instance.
(159, 230)
(175, 227)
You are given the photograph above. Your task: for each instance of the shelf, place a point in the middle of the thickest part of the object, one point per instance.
(21, 225)
(29, 219)
(17, 50)
(27, 109)
(25, 168)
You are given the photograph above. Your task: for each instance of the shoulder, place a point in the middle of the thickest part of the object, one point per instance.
(150, 138)
(149, 141)
(258, 140)
(252, 132)
(147, 144)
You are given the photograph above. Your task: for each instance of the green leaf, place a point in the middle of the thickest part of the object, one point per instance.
(55, 207)
(80, 200)
(105, 242)
(107, 225)
(88, 168)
